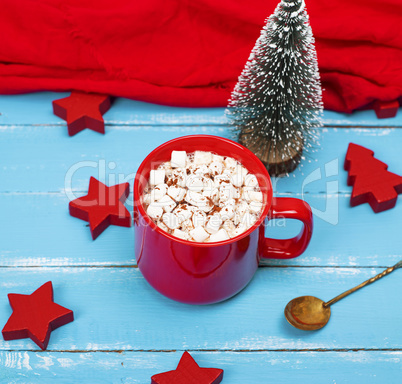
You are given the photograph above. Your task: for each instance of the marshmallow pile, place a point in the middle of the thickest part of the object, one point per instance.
(203, 197)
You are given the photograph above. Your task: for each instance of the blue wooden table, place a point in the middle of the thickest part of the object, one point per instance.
(124, 331)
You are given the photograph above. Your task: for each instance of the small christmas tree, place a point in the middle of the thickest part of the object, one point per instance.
(371, 181)
(277, 101)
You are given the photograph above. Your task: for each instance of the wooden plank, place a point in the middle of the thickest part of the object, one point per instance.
(322, 171)
(366, 118)
(40, 232)
(115, 309)
(360, 367)
(36, 108)
(45, 159)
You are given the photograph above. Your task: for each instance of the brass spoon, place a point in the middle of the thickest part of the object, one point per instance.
(310, 313)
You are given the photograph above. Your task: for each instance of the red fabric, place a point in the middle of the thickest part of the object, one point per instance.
(190, 52)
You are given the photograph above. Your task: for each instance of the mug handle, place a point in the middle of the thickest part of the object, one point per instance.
(290, 208)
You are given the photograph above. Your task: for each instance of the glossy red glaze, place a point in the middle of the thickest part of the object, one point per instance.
(205, 273)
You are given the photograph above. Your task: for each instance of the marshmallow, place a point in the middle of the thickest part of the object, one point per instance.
(161, 225)
(226, 192)
(178, 159)
(239, 230)
(229, 227)
(199, 201)
(250, 194)
(147, 199)
(199, 234)
(228, 172)
(216, 168)
(248, 220)
(238, 175)
(222, 199)
(244, 193)
(193, 198)
(239, 169)
(255, 206)
(167, 167)
(227, 202)
(195, 183)
(201, 157)
(187, 225)
(200, 170)
(212, 194)
(215, 196)
(158, 192)
(157, 176)
(251, 181)
(236, 193)
(170, 220)
(176, 193)
(214, 223)
(207, 205)
(221, 235)
(236, 218)
(180, 234)
(242, 208)
(183, 213)
(255, 195)
(227, 212)
(199, 218)
(208, 183)
(221, 179)
(237, 179)
(167, 203)
(230, 162)
(154, 211)
(217, 158)
(178, 177)
(207, 193)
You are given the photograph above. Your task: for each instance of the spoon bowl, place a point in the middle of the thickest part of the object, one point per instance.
(310, 313)
(307, 313)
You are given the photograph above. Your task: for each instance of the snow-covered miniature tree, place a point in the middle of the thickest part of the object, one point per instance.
(277, 103)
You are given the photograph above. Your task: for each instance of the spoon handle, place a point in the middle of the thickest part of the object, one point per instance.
(367, 282)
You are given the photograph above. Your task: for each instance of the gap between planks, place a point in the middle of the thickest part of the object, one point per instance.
(262, 265)
(277, 194)
(118, 125)
(339, 350)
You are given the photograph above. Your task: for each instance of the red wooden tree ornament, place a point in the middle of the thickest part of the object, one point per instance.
(102, 206)
(188, 372)
(82, 110)
(371, 181)
(35, 316)
(386, 109)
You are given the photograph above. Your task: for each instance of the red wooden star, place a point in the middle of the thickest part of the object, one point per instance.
(82, 110)
(35, 316)
(371, 181)
(102, 206)
(188, 372)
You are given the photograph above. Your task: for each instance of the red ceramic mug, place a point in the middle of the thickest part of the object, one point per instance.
(205, 273)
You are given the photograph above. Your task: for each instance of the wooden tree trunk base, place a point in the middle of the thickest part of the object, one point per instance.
(273, 160)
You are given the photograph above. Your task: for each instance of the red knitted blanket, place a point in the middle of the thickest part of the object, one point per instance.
(190, 53)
